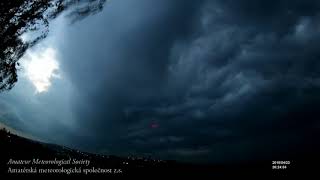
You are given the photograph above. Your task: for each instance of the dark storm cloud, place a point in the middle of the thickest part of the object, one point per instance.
(128, 59)
(203, 80)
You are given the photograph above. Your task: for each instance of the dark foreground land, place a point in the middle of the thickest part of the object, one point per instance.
(14, 147)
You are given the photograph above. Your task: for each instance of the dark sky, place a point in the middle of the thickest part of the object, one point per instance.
(205, 80)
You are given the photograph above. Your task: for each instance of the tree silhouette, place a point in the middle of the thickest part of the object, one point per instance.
(20, 16)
